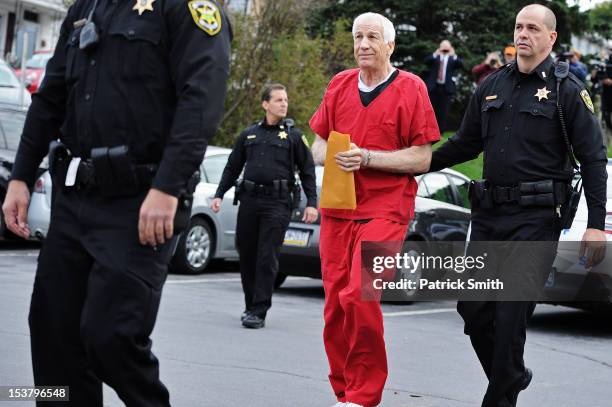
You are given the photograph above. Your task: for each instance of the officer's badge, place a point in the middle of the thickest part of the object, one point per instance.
(587, 100)
(206, 15)
(143, 5)
(282, 135)
(305, 140)
(542, 94)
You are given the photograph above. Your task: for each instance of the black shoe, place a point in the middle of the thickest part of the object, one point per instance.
(243, 316)
(522, 385)
(253, 322)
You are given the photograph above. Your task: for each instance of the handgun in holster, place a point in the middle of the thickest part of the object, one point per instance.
(185, 203)
(59, 160)
(479, 194)
(569, 207)
(239, 185)
(296, 195)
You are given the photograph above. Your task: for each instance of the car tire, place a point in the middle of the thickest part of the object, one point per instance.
(279, 280)
(195, 248)
(407, 296)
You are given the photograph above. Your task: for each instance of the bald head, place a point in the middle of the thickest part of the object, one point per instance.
(547, 15)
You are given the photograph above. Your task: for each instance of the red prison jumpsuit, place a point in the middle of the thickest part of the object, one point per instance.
(399, 117)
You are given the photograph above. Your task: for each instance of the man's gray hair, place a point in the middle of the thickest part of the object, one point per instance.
(387, 25)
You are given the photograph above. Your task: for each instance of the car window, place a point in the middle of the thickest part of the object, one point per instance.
(213, 167)
(38, 61)
(436, 186)
(11, 126)
(8, 78)
(462, 186)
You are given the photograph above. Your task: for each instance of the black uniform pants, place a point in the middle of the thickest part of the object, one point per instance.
(441, 101)
(95, 301)
(497, 329)
(260, 231)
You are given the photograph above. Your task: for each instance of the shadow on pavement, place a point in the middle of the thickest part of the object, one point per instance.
(573, 322)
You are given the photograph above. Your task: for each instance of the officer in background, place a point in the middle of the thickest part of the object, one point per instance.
(512, 117)
(268, 151)
(134, 92)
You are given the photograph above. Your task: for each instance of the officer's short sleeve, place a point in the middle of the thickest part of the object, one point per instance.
(199, 52)
(423, 125)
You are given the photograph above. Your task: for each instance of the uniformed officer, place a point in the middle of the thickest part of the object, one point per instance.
(134, 91)
(512, 117)
(268, 152)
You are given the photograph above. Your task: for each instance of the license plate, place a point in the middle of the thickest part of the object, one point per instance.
(296, 237)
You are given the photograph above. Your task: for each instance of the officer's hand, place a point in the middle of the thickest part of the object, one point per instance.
(156, 223)
(215, 205)
(593, 245)
(350, 160)
(310, 215)
(15, 208)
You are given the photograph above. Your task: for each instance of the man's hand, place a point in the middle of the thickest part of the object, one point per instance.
(593, 245)
(215, 205)
(350, 160)
(607, 82)
(310, 215)
(156, 223)
(15, 208)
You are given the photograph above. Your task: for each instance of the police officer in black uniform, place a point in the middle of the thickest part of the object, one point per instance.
(513, 118)
(268, 151)
(134, 92)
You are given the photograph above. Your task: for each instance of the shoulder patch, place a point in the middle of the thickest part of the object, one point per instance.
(587, 100)
(305, 140)
(206, 16)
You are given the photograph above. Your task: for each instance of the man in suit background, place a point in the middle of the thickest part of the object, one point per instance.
(440, 84)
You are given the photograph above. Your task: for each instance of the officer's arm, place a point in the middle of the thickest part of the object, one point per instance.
(587, 143)
(46, 113)
(199, 66)
(319, 150)
(464, 145)
(234, 166)
(306, 166)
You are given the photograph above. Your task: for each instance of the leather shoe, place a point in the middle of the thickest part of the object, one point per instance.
(244, 314)
(253, 322)
(522, 385)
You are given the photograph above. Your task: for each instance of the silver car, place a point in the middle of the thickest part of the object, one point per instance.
(11, 90)
(209, 235)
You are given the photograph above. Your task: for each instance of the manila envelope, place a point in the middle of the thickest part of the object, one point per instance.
(338, 190)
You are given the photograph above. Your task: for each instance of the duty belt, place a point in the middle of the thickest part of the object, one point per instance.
(86, 175)
(539, 193)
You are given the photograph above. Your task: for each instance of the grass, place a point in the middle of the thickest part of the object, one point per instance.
(471, 169)
(610, 151)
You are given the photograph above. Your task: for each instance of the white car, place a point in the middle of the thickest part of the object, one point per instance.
(209, 235)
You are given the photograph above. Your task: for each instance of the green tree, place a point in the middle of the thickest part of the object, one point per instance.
(600, 19)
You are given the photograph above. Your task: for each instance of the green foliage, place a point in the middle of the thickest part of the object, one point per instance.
(600, 19)
(472, 169)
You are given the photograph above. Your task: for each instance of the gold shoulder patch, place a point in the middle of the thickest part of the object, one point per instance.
(587, 100)
(305, 140)
(206, 15)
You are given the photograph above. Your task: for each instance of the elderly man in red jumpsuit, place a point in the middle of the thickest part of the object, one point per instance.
(390, 119)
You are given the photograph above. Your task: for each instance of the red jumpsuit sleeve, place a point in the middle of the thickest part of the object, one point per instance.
(423, 125)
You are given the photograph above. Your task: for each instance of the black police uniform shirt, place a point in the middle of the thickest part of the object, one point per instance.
(512, 117)
(264, 152)
(155, 81)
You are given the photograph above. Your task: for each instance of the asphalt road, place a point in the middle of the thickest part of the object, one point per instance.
(208, 359)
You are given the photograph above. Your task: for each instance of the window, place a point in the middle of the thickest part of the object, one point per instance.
(213, 167)
(11, 126)
(462, 186)
(436, 186)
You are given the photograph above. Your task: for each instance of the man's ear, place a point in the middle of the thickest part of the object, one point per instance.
(391, 45)
(553, 37)
(264, 104)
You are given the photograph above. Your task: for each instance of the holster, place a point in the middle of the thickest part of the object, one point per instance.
(185, 203)
(237, 190)
(568, 209)
(59, 160)
(296, 195)
(479, 194)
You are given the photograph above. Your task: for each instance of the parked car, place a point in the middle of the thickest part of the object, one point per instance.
(442, 213)
(11, 88)
(35, 69)
(209, 235)
(12, 118)
(568, 276)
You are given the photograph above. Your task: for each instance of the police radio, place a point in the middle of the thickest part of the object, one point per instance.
(89, 36)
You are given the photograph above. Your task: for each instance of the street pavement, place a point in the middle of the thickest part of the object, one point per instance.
(208, 359)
